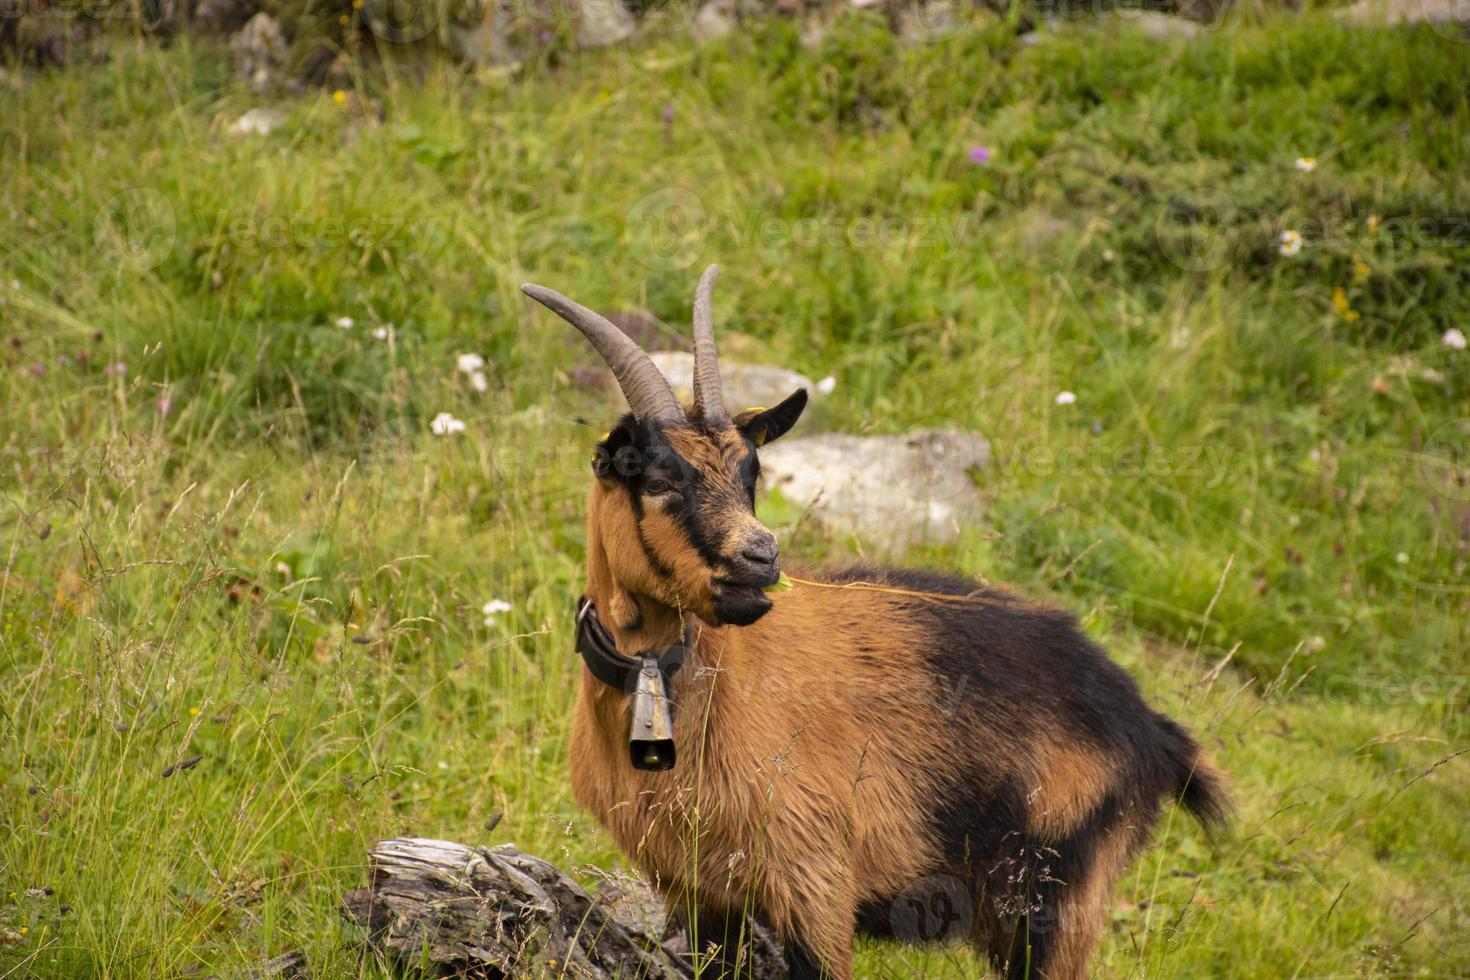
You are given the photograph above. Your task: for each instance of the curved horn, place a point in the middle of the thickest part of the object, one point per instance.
(709, 397)
(646, 389)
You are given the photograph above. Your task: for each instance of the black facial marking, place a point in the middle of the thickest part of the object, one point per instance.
(659, 566)
(636, 454)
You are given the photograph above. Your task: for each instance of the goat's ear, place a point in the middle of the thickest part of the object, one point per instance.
(606, 451)
(761, 425)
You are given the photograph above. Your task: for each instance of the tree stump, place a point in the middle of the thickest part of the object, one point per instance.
(498, 912)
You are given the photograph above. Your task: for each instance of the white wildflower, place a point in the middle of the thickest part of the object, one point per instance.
(383, 332)
(479, 382)
(1306, 164)
(345, 323)
(1454, 338)
(1315, 644)
(469, 363)
(1402, 558)
(1291, 242)
(494, 608)
(826, 385)
(445, 424)
(1066, 398)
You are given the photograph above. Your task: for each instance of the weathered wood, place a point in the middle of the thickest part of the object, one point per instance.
(497, 912)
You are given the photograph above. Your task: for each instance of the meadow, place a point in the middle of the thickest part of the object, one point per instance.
(243, 626)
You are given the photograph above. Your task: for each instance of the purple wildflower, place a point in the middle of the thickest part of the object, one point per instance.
(979, 155)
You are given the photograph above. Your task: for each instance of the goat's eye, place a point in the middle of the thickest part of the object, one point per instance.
(657, 488)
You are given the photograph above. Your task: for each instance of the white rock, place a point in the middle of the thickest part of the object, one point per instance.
(1442, 13)
(890, 491)
(746, 385)
(1159, 26)
(259, 50)
(712, 21)
(260, 121)
(603, 22)
(927, 22)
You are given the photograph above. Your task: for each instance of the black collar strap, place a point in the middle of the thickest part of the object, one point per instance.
(607, 664)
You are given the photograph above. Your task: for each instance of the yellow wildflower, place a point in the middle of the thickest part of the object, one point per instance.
(1343, 305)
(1373, 222)
(339, 97)
(1361, 270)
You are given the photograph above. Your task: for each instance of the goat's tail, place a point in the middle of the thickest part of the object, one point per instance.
(1196, 782)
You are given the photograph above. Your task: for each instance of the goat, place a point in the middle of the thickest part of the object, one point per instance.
(899, 753)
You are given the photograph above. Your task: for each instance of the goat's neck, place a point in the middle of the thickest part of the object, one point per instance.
(638, 623)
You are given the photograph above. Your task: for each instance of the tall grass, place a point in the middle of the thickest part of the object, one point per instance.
(251, 549)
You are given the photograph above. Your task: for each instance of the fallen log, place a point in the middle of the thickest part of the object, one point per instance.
(499, 912)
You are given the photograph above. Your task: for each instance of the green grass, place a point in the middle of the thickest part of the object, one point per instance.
(284, 573)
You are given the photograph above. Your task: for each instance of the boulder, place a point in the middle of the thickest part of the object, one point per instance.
(260, 121)
(746, 385)
(714, 20)
(1159, 26)
(891, 492)
(259, 50)
(1447, 16)
(601, 23)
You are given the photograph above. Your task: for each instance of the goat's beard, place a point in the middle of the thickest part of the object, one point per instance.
(739, 605)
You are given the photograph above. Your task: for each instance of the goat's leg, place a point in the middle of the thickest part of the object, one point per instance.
(818, 938)
(1082, 906)
(802, 963)
(1056, 931)
(715, 938)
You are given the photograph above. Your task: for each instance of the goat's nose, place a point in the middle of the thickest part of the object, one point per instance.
(760, 554)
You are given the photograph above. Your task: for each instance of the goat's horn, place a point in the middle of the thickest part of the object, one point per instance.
(646, 389)
(709, 398)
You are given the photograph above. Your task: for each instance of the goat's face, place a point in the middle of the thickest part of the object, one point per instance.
(674, 509)
(673, 513)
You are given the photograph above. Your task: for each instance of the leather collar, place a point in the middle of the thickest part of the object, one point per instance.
(612, 667)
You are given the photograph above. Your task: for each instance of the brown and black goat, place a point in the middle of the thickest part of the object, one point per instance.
(898, 753)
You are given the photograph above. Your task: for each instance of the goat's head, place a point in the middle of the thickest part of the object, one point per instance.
(673, 510)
